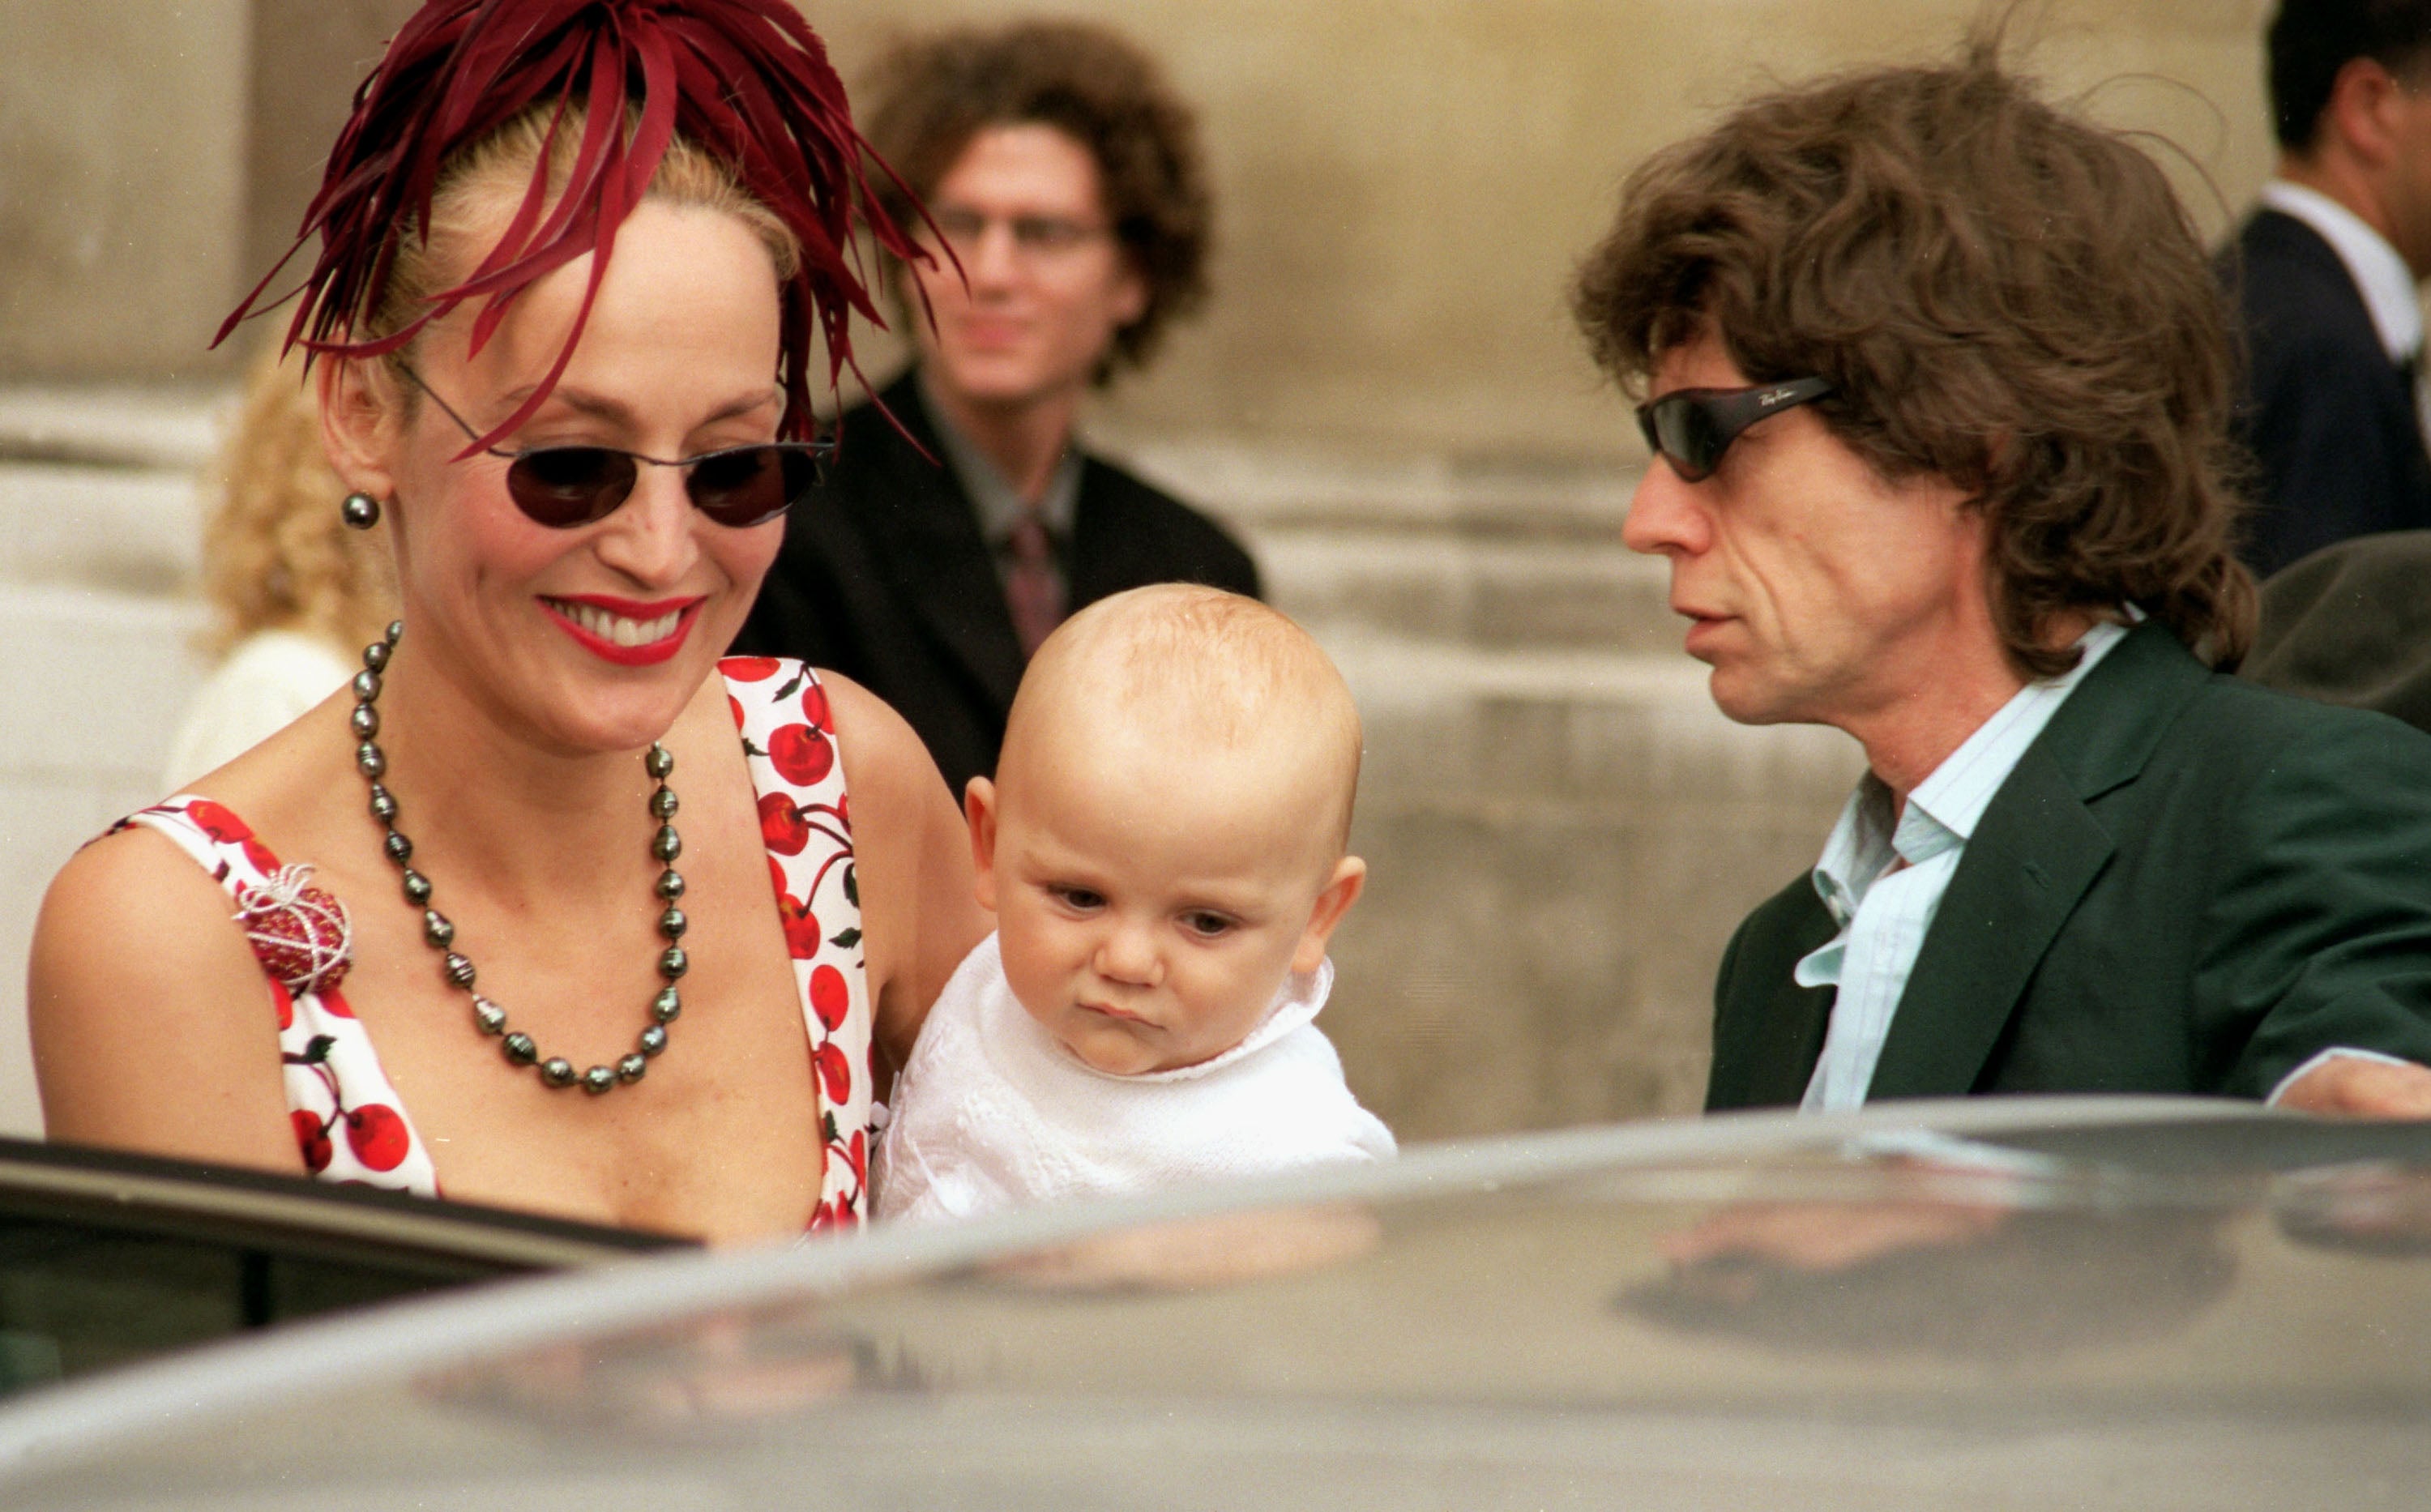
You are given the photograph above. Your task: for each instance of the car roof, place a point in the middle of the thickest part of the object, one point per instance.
(2023, 1303)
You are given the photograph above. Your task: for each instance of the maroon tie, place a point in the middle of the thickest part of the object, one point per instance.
(1032, 590)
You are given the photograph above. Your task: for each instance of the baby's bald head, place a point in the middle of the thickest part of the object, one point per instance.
(1179, 672)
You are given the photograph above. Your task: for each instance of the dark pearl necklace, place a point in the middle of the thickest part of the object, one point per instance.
(555, 1071)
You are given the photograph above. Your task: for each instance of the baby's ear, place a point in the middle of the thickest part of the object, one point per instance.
(979, 812)
(1334, 900)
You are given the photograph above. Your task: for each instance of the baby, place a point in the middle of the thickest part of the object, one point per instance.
(1162, 849)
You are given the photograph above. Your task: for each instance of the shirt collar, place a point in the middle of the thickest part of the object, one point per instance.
(1947, 806)
(1000, 506)
(2380, 274)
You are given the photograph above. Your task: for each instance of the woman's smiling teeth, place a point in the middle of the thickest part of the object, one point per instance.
(617, 628)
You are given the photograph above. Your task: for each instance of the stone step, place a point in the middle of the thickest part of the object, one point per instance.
(167, 426)
(1498, 591)
(1493, 553)
(135, 529)
(1260, 484)
(1472, 724)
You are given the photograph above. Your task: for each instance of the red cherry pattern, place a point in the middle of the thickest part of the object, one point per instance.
(830, 998)
(377, 1136)
(782, 826)
(215, 820)
(313, 1136)
(801, 754)
(788, 719)
(801, 933)
(835, 1071)
(315, 1022)
(749, 668)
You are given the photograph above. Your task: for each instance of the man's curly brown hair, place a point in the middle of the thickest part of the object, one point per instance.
(2000, 295)
(936, 92)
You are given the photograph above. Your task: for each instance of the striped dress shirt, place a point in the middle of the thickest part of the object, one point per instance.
(1882, 877)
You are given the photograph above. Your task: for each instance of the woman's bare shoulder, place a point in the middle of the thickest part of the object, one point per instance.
(883, 755)
(133, 877)
(137, 980)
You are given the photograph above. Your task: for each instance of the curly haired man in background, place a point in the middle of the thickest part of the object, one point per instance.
(1064, 176)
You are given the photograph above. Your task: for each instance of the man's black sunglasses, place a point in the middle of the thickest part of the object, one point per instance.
(1692, 427)
(566, 486)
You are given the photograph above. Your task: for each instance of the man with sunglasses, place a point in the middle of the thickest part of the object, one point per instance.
(1068, 214)
(1937, 387)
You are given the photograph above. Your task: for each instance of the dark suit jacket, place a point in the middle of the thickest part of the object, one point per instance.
(2189, 884)
(885, 578)
(2327, 414)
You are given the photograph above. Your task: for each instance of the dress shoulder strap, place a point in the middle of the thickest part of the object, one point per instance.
(789, 741)
(350, 1125)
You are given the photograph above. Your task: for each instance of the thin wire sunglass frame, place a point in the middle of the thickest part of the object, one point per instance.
(818, 452)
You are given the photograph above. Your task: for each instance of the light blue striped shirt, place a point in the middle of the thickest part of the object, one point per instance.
(1884, 883)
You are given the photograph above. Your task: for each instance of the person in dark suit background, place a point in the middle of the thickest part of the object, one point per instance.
(2324, 275)
(958, 527)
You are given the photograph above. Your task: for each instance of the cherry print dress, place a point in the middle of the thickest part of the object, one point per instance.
(351, 1126)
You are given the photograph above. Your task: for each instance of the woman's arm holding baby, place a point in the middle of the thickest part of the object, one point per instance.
(913, 862)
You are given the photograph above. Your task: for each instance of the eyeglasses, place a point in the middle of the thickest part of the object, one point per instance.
(737, 486)
(1032, 235)
(1691, 427)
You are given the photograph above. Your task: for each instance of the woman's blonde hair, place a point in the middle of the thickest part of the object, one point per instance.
(274, 553)
(496, 171)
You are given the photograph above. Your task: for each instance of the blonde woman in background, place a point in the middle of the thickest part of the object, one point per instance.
(293, 592)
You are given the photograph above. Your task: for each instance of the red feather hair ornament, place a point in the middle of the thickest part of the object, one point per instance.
(747, 80)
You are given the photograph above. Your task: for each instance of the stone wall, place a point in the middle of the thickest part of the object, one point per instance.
(123, 136)
(1405, 183)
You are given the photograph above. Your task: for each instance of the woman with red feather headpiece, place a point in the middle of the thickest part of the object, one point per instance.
(451, 930)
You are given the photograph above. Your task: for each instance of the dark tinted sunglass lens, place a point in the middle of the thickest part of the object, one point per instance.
(563, 486)
(744, 486)
(1646, 428)
(1687, 435)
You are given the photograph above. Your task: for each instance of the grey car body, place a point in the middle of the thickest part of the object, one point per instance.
(2008, 1305)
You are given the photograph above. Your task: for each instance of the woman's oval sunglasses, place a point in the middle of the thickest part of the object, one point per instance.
(1692, 427)
(566, 486)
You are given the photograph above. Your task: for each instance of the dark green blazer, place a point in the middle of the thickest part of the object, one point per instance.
(2189, 884)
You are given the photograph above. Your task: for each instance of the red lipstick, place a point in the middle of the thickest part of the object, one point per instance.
(687, 610)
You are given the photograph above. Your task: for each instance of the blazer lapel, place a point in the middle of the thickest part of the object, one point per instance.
(927, 535)
(1768, 1029)
(2030, 861)
(2027, 866)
